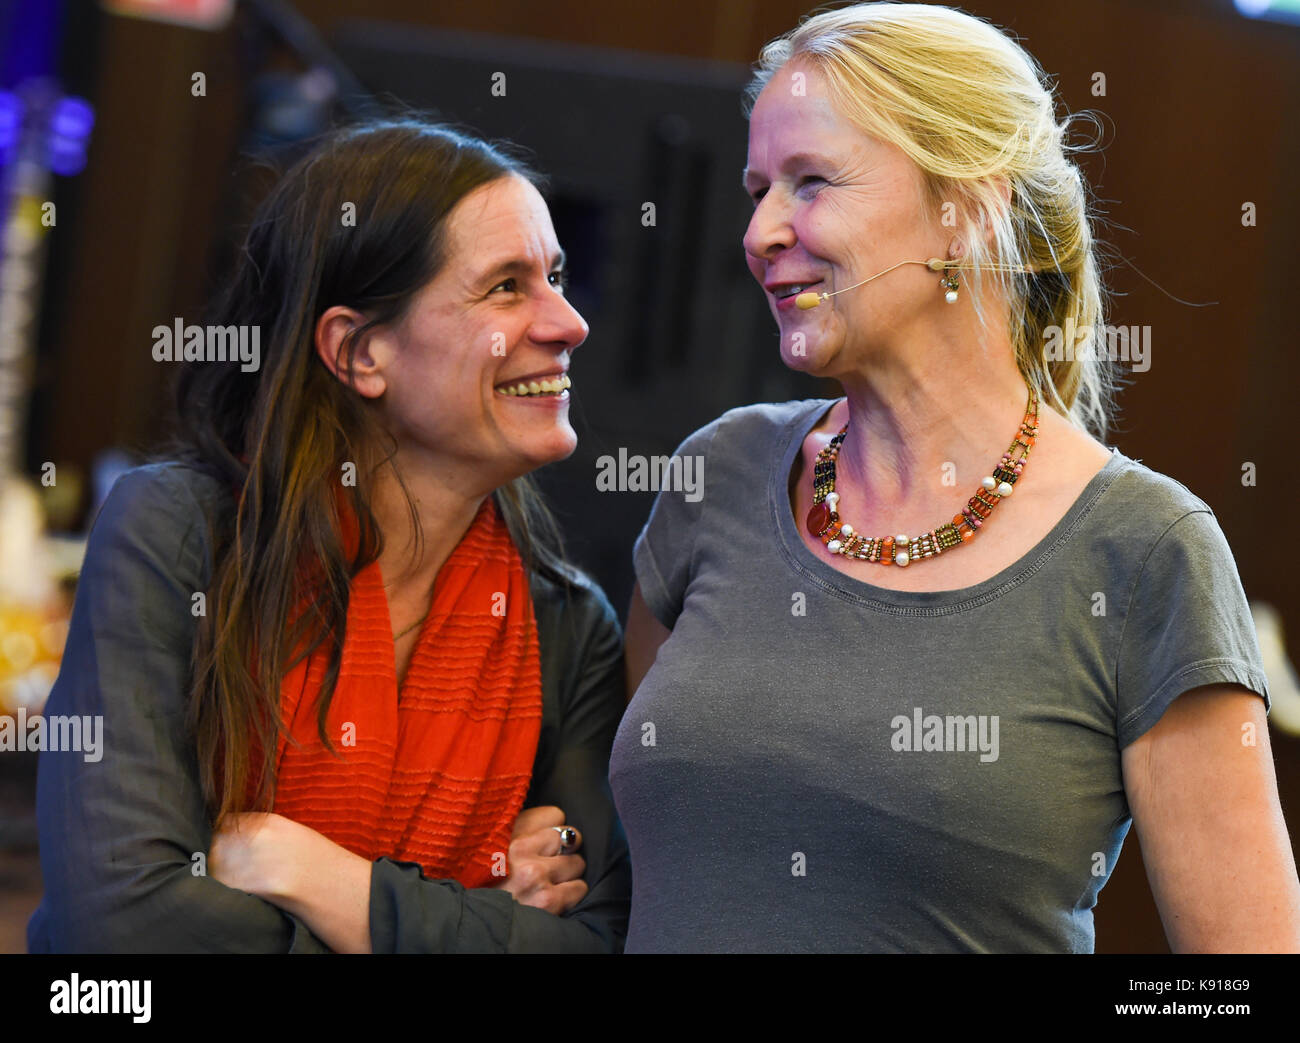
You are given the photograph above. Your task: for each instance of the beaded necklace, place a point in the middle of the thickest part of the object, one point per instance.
(841, 538)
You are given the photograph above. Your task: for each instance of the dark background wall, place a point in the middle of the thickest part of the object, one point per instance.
(1195, 106)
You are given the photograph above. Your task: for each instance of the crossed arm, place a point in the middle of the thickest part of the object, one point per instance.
(124, 840)
(325, 885)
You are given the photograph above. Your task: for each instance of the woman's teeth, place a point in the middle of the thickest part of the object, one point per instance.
(549, 386)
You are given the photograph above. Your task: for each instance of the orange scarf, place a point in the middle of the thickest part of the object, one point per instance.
(435, 773)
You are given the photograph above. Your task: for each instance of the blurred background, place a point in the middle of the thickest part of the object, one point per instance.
(127, 176)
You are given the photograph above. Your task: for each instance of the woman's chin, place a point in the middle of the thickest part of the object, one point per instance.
(812, 363)
(809, 347)
(556, 445)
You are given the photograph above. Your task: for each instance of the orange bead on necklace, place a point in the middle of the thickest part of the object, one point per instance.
(840, 537)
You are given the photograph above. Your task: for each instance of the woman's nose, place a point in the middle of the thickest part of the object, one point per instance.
(560, 323)
(769, 227)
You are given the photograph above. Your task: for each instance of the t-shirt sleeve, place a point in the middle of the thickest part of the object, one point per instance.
(1188, 624)
(662, 555)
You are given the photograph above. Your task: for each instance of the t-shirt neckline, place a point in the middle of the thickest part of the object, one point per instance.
(904, 602)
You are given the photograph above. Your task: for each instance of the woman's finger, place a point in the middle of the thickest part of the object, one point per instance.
(563, 868)
(558, 899)
(542, 871)
(531, 820)
(541, 842)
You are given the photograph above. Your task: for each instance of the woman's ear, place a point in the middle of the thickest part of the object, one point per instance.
(978, 220)
(1003, 189)
(370, 354)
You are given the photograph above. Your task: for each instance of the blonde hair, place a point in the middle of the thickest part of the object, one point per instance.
(970, 107)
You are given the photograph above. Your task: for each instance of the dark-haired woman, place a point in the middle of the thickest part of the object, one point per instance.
(353, 698)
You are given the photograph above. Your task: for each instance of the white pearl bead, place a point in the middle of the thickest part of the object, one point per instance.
(835, 546)
(902, 558)
(832, 499)
(989, 482)
(846, 529)
(1004, 489)
(904, 539)
(950, 296)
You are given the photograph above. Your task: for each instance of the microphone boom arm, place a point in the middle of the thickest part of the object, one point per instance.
(809, 299)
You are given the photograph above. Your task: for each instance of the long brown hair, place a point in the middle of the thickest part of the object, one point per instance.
(280, 436)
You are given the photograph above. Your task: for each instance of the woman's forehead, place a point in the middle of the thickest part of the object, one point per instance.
(503, 214)
(791, 110)
(801, 131)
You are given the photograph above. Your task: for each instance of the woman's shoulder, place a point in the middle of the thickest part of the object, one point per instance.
(1144, 523)
(164, 510)
(147, 487)
(1150, 499)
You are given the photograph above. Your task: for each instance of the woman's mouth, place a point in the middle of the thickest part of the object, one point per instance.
(547, 387)
(785, 294)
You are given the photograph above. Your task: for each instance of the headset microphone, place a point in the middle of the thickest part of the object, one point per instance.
(810, 299)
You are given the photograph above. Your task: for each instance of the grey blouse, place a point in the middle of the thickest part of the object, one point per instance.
(119, 836)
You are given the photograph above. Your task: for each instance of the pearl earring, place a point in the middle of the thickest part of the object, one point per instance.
(949, 283)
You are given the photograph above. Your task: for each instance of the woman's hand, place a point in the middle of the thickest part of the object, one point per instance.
(540, 875)
(301, 871)
(253, 852)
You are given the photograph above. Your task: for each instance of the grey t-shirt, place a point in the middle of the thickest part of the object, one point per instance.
(815, 763)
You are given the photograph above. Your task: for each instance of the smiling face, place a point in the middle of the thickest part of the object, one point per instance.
(834, 206)
(477, 371)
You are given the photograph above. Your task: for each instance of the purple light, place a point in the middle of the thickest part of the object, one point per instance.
(66, 157)
(72, 118)
(11, 119)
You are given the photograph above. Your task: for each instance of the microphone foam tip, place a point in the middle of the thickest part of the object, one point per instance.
(807, 300)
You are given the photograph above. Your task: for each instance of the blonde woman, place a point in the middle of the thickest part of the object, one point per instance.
(883, 703)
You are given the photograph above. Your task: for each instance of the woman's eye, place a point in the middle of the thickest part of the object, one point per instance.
(757, 195)
(560, 280)
(508, 286)
(811, 179)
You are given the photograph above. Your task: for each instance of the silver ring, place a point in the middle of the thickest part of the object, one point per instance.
(568, 836)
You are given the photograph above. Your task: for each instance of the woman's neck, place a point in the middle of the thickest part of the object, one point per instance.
(445, 511)
(927, 422)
